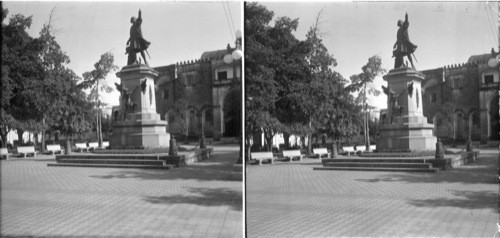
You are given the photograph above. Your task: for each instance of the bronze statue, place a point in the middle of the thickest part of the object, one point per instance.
(127, 101)
(136, 43)
(403, 46)
(393, 104)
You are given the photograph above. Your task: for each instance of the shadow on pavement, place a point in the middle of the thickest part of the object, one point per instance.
(203, 197)
(482, 172)
(217, 168)
(466, 199)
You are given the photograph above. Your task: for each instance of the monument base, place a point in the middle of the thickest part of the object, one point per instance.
(142, 126)
(405, 129)
(139, 131)
(407, 135)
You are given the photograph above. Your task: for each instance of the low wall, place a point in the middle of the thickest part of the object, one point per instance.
(187, 158)
(456, 160)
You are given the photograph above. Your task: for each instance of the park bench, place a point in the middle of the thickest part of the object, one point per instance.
(292, 154)
(25, 150)
(93, 145)
(373, 148)
(55, 148)
(360, 149)
(4, 153)
(259, 156)
(320, 152)
(81, 147)
(348, 150)
(105, 144)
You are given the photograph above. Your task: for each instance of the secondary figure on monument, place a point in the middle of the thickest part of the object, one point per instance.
(392, 101)
(136, 43)
(403, 46)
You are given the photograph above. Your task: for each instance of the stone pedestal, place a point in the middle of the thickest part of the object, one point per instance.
(142, 127)
(410, 130)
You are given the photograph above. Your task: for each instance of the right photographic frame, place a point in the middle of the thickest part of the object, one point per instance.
(371, 119)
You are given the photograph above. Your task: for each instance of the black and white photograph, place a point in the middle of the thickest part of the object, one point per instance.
(121, 119)
(371, 119)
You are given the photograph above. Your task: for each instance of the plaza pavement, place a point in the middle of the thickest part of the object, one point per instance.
(195, 201)
(293, 200)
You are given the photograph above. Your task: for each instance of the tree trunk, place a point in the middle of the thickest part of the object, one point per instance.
(43, 135)
(20, 133)
(367, 133)
(334, 150)
(67, 149)
(287, 139)
(4, 139)
(367, 130)
(309, 136)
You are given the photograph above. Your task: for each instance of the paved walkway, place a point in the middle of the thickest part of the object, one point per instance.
(195, 201)
(293, 200)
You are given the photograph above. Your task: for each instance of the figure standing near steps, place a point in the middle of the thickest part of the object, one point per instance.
(403, 46)
(136, 43)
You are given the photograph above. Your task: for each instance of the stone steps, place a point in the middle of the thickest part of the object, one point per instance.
(377, 165)
(138, 161)
(112, 156)
(379, 169)
(380, 164)
(113, 161)
(128, 166)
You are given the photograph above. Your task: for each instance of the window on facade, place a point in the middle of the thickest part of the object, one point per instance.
(488, 79)
(165, 94)
(222, 75)
(475, 119)
(433, 97)
(190, 80)
(459, 83)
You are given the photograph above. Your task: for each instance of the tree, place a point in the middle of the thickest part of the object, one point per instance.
(261, 88)
(22, 71)
(95, 80)
(362, 83)
(446, 112)
(180, 110)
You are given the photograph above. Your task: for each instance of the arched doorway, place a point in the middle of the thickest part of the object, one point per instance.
(459, 126)
(232, 114)
(208, 122)
(494, 119)
(192, 123)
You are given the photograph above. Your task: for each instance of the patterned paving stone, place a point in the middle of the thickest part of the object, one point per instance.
(196, 201)
(293, 200)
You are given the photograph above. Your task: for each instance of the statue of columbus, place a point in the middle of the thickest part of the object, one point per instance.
(136, 43)
(403, 46)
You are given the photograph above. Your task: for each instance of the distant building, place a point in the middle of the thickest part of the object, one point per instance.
(201, 95)
(472, 88)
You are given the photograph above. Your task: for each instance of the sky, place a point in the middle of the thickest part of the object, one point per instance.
(178, 31)
(445, 32)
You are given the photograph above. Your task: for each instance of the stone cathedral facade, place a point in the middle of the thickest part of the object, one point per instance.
(473, 90)
(201, 96)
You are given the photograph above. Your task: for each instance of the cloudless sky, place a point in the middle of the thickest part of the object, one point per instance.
(445, 32)
(178, 31)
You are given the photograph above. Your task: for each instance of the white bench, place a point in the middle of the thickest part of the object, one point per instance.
(55, 148)
(373, 148)
(4, 153)
(24, 150)
(292, 153)
(93, 145)
(105, 144)
(81, 147)
(360, 149)
(259, 156)
(320, 152)
(349, 150)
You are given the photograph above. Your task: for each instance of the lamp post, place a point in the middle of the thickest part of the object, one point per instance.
(232, 57)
